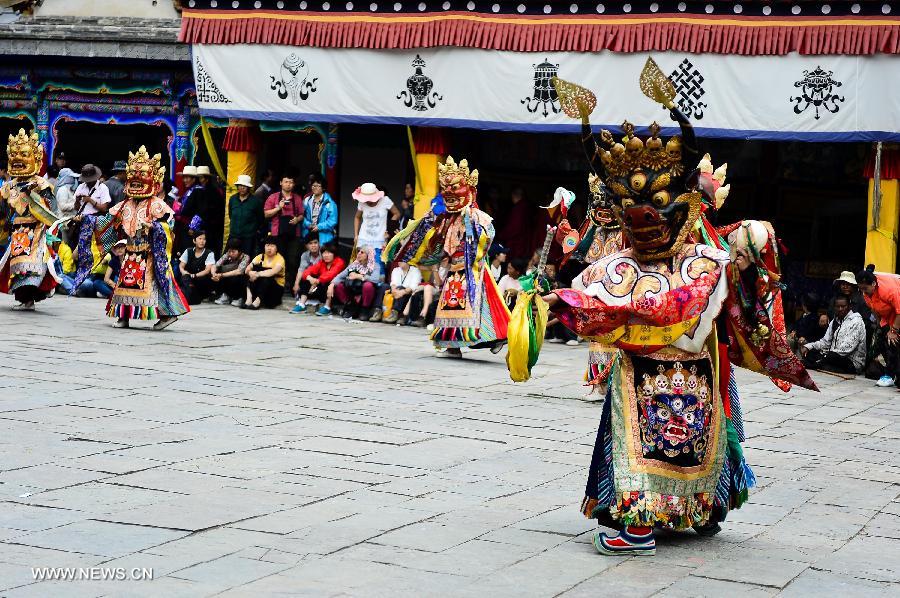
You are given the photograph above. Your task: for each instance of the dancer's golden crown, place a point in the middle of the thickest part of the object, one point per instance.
(450, 172)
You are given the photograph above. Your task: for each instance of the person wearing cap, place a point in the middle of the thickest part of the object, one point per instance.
(214, 223)
(66, 183)
(370, 223)
(320, 213)
(91, 196)
(116, 183)
(498, 254)
(193, 203)
(845, 285)
(245, 213)
(104, 275)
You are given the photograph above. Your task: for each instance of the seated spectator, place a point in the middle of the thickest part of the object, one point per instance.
(355, 286)
(809, 327)
(196, 266)
(404, 281)
(104, 275)
(308, 258)
(882, 295)
(845, 285)
(843, 348)
(228, 274)
(533, 262)
(316, 279)
(509, 286)
(421, 306)
(498, 254)
(265, 277)
(65, 264)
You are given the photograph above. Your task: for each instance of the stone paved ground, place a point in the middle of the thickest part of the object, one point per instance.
(256, 454)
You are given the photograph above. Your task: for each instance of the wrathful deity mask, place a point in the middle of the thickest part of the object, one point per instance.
(458, 184)
(644, 178)
(25, 153)
(143, 174)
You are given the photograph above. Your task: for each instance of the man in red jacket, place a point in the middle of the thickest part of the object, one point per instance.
(314, 280)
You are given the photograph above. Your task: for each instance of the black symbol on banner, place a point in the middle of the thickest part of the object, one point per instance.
(544, 93)
(293, 80)
(207, 90)
(418, 94)
(816, 89)
(689, 85)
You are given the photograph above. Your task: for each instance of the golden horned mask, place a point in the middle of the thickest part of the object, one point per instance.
(25, 153)
(143, 174)
(458, 184)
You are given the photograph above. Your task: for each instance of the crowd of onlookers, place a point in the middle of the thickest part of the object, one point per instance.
(282, 244)
(857, 332)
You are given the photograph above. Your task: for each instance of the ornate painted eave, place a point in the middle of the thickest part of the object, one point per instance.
(714, 26)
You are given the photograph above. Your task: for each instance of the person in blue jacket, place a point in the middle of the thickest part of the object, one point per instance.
(320, 213)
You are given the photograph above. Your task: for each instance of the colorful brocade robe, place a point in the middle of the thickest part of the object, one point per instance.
(668, 446)
(28, 260)
(146, 288)
(470, 311)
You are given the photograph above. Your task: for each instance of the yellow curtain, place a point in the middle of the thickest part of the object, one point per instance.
(881, 239)
(426, 182)
(238, 163)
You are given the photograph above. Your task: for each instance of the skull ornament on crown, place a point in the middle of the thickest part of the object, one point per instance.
(25, 153)
(143, 174)
(458, 184)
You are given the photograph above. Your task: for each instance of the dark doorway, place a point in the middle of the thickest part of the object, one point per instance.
(290, 152)
(103, 144)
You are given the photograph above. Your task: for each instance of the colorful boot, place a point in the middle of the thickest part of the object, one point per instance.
(630, 541)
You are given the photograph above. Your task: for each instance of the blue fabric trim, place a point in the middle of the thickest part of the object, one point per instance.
(722, 133)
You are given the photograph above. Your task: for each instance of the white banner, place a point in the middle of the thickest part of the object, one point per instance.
(794, 97)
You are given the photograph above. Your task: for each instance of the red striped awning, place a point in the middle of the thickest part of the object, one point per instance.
(692, 33)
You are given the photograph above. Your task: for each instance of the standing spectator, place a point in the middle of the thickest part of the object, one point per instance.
(315, 280)
(91, 196)
(196, 266)
(267, 186)
(228, 274)
(516, 232)
(404, 282)
(214, 223)
(320, 213)
(509, 286)
(65, 202)
(407, 205)
(245, 213)
(192, 203)
(882, 295)
(498, 254)
(58, 164)
(355, 286)
(843, 348)
(116, 183)
(284, 210)
(104, 275)
(370, 222)
(265, 277)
